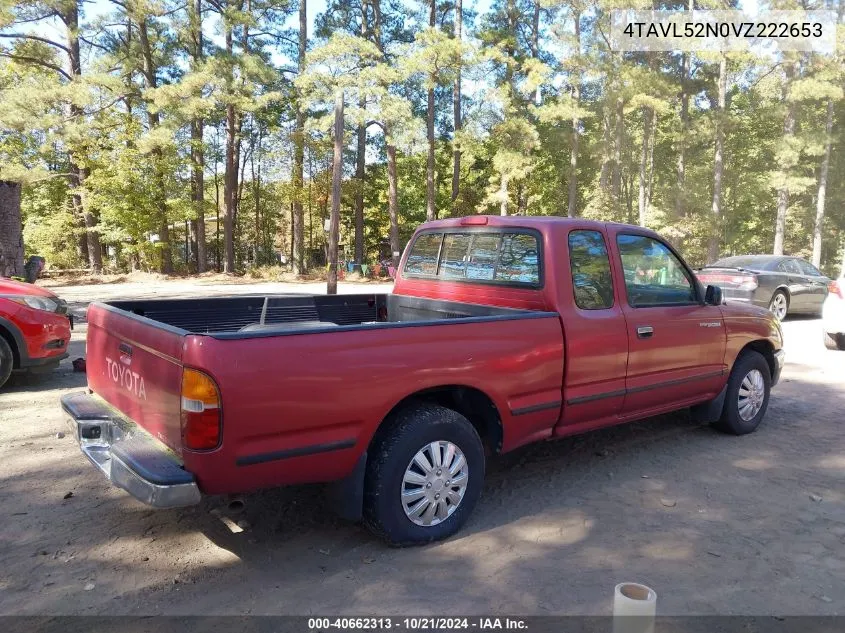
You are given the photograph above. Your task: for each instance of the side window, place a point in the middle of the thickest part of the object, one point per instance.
(591, 278)
(790, 267)
(653, 275)
(453, 258)
(519, 259)
(422, 260)
(807, 268)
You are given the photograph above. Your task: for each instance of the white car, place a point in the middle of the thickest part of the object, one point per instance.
(833, 315)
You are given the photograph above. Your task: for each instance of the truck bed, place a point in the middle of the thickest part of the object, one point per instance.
(300, 375)
(249, 316)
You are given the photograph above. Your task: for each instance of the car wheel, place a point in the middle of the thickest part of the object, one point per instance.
(747, 396)
(7, 361)
(834, 341)
(779, 305)
(424, 477)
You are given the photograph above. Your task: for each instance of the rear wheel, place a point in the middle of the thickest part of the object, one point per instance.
(779, 305)
(7, 361)
(834, 341)
(424, 476)
(747, 396)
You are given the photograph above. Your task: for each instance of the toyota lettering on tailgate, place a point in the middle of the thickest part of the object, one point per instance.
(126, 378)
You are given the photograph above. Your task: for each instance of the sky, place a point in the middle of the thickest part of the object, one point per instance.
(98, 8)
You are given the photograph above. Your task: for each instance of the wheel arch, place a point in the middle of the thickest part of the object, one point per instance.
(12, 335)
(347, 495)
(784, 288)
(764, 348)
(475, 405)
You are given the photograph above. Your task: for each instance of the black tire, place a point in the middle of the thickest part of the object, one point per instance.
(7, 361)
(834, 342)
(410, 430)
(777, 296)
(731, 420)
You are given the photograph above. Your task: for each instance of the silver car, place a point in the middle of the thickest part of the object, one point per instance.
(784, 285)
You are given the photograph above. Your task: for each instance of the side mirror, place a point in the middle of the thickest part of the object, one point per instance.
(713, 296)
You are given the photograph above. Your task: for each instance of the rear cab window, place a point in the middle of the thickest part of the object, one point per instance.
(510, 257)
(592, 281)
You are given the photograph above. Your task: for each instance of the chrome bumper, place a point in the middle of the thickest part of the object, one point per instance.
(127, 456)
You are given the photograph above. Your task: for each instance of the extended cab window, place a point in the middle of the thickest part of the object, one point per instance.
(653, 275)
(476, 256)
(422, 260)
(591, 279)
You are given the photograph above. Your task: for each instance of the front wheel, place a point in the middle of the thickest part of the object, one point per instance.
(7, 361)
(424, 477)
(779, 305)
(747, 396)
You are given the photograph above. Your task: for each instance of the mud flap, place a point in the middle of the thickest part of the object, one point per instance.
(710, 412)
(346, 497)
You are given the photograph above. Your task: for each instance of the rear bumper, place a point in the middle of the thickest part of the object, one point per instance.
(127, 456)
(833, 315)
(745, 296)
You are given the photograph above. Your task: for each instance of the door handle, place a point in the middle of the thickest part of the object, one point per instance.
(645, 331)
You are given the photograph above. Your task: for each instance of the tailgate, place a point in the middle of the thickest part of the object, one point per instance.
(135, 364)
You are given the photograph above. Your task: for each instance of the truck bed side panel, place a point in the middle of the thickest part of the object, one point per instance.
(303, 408)
(134, 364)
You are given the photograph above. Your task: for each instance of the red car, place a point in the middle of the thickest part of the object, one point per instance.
(499, 331)
(34, 328)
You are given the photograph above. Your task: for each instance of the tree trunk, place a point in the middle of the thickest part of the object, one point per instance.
(337, 177)
(788, 132)
(70, 18)
(822, 191)
(456, 105)
(197, 149)
(643, 196)
(503, 195)
(686, 63)
(230, 176)
(392, 202)
(617, 150)
(606, 163)
(148, 70)
(718, 166)
(430, 210)
(298, 263)
(360, 163)
(535, 48)
(650, 178)
(11, 230)
(576, 100)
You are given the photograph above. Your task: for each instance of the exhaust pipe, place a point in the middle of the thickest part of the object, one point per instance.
(235, 505)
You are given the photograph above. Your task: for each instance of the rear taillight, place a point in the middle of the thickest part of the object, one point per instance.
(835, 288)
(740, 281)
(201, 413)
(746, 282)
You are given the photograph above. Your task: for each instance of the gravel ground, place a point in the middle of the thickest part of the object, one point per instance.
(715, 524)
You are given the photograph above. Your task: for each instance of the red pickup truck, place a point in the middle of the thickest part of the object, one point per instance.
(499, 332)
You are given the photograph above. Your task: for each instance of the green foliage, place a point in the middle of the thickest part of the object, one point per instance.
(124, 123)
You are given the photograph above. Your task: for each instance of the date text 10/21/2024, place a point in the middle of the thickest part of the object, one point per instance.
(417, 624)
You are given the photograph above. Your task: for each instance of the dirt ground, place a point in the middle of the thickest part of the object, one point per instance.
(715, 524)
